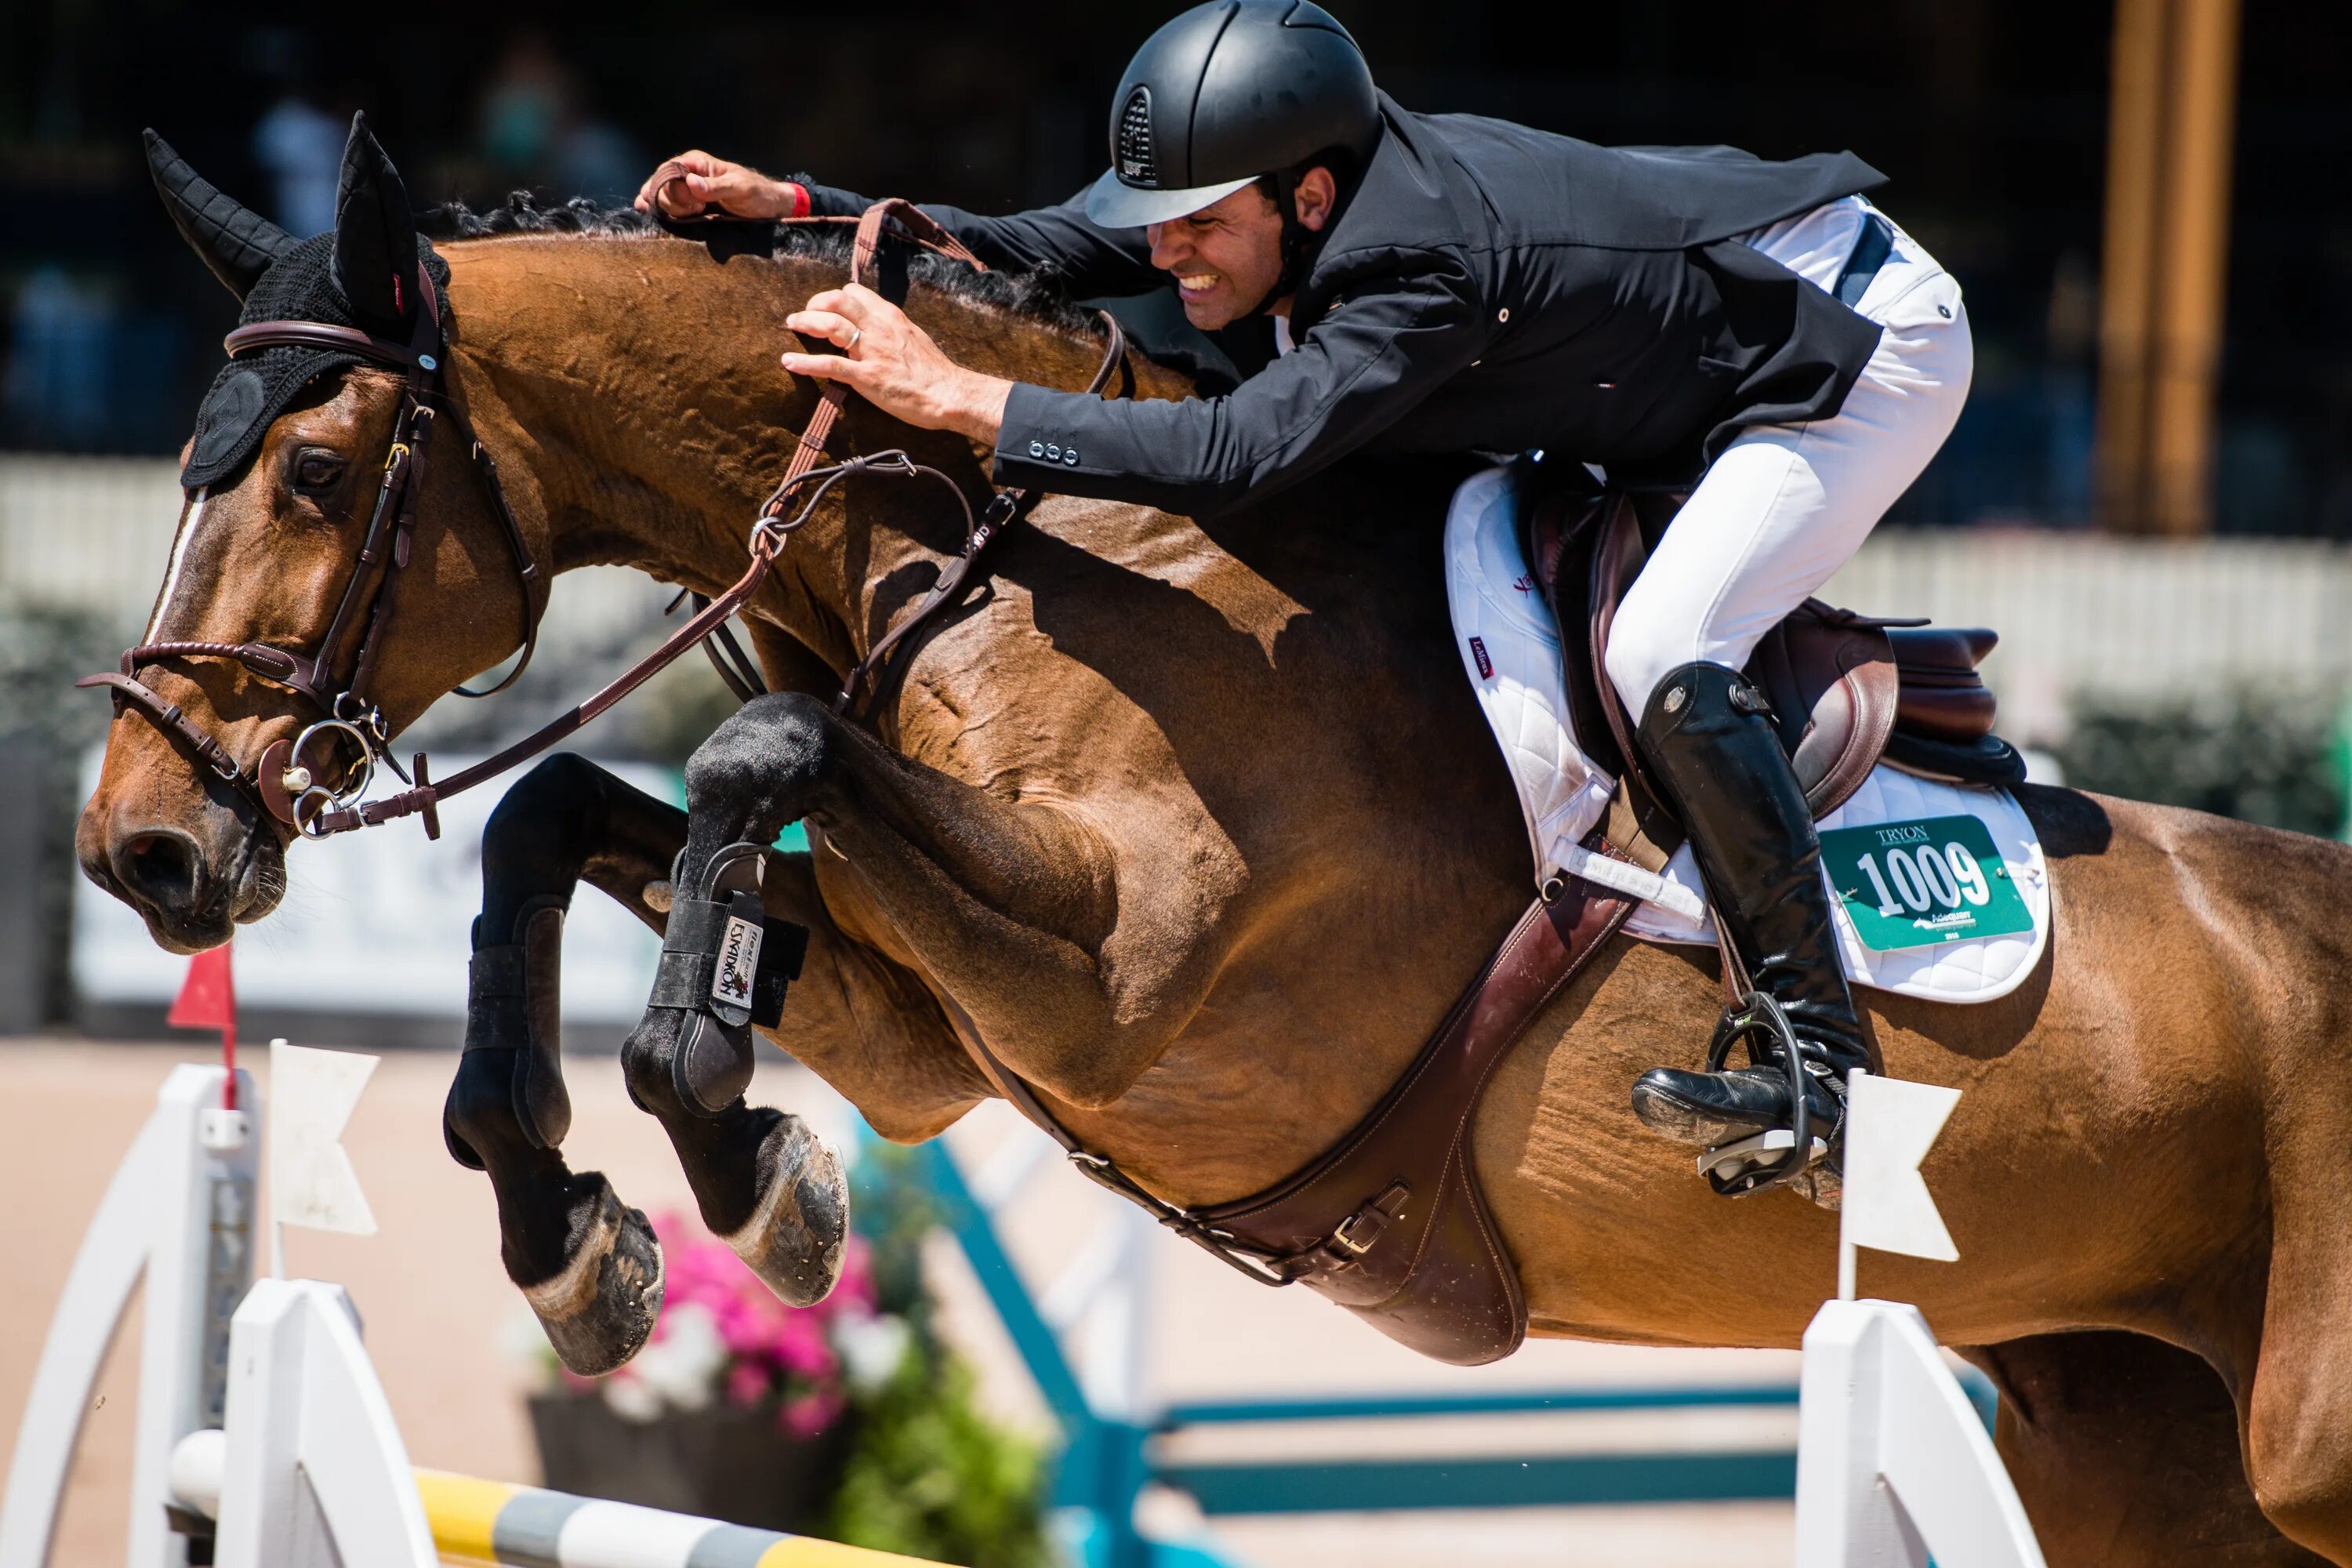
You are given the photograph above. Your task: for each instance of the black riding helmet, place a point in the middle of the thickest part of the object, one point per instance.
(1224, 94)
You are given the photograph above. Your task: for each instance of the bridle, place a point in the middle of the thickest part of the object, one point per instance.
(285, 781)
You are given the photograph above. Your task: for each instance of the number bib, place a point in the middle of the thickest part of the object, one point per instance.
(1921, 883)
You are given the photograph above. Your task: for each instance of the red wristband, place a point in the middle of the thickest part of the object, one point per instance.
(800, 199)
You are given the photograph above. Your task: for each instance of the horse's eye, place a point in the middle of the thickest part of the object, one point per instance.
(316, 471)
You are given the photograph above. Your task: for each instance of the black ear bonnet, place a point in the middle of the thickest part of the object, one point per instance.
(356, 276)
(253, 389)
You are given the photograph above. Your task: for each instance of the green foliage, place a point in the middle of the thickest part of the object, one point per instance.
(675, 712)
(2258, 757)
(930, 1477)
(45, 726)
(895, 1212)
(930, 1474)
(42, 651)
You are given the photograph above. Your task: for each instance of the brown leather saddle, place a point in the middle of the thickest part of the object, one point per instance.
(1847, 690)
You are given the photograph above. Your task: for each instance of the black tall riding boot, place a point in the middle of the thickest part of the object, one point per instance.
(1708, 741)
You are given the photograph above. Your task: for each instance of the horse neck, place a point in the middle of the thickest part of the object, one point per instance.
(635, 383)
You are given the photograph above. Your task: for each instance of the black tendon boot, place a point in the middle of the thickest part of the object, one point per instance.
(1709, 741)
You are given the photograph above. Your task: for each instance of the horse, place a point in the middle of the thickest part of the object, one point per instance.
(1193, 823)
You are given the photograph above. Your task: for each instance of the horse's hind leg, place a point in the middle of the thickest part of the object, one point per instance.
(2298, 1411)
(2126, 1452)
(587, 1264)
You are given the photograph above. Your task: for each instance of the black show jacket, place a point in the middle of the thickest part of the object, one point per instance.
(1486, 287)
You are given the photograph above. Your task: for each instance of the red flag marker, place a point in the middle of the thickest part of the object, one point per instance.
(209, 1001)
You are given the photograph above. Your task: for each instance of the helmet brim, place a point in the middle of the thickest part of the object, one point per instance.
(1112, 203)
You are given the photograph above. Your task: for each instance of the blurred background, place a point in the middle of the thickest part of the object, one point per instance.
(2149, 495)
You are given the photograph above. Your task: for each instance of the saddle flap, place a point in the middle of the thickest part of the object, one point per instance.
(1834, 691)
(1841, 684)
(1618, 554)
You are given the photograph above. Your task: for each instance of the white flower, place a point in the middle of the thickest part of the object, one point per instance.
(871, 1349)
(682, 1368)
(632, 1398)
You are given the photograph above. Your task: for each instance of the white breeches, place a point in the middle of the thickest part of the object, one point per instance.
(1785, 505)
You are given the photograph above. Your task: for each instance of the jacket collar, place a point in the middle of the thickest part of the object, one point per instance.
(1414, 196)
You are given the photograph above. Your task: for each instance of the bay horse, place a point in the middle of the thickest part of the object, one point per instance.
(1193, 821)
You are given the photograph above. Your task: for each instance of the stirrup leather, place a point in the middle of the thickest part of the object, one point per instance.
(726, 964)
(1780, 1154)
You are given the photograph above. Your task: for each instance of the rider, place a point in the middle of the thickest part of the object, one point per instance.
(1442, 283)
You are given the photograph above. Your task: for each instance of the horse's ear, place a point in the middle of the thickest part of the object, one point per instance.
(237, 243)
(375, 237)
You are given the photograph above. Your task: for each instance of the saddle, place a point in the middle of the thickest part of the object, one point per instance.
(1847, 690)
(1391, 1222)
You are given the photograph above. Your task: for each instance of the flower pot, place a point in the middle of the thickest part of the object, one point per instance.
(724, 1461)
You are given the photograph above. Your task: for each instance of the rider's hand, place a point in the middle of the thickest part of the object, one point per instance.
(710, 181)
(895, 364)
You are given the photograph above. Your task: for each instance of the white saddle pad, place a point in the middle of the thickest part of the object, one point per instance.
(1510, 648)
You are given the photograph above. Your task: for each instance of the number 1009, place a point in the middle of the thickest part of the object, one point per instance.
(1925, 878)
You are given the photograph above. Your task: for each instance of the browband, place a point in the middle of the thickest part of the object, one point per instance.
(325, 335)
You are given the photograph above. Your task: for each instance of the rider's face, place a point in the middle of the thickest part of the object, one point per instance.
(1224, 256)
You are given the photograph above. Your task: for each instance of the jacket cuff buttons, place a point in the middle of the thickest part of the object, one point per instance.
(1049, 452)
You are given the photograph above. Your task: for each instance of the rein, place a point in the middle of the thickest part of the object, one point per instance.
(282, 782)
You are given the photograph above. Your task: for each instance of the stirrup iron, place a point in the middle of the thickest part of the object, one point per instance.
(1781, 1154)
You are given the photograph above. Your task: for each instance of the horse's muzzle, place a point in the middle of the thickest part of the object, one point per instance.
(192, 883)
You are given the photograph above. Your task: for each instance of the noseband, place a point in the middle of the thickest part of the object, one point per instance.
(288, 783)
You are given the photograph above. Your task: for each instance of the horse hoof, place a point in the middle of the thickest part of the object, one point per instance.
(793, 1239)
(599, 1310)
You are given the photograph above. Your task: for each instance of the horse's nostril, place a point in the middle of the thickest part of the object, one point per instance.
(162, 868)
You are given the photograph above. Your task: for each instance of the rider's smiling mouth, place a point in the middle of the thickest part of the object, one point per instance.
(1197, 283)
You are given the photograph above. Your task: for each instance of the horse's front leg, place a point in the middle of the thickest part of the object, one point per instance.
(1010, 910)
(587, 1264)
(1002, 907)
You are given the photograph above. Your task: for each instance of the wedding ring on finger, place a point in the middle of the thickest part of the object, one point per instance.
(855, 333)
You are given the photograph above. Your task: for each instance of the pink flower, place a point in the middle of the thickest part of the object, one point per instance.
(746, 1382)
(807, 1415)
(855, 1293)
(803, 1350)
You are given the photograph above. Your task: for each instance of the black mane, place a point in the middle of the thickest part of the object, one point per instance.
(1038, 294)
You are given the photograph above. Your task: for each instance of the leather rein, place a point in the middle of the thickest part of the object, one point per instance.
(288, 781)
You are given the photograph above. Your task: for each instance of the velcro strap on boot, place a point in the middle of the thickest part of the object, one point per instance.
(710, 956)
(496, 999)
(728, 958)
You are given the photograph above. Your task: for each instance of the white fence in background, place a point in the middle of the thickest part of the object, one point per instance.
(93, 534)
(2075, 611)
(2083, 611)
